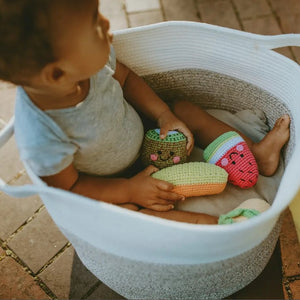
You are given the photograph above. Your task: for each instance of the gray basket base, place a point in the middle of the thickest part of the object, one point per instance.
(139, 280)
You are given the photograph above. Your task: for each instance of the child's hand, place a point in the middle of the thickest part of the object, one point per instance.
(152, 193)
(167, 121)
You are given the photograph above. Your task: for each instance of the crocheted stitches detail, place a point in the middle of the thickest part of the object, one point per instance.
(199, 189)
(171, 137)
(192, 173)
(215, 150)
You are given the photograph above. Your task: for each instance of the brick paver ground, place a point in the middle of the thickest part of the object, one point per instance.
(36, 260)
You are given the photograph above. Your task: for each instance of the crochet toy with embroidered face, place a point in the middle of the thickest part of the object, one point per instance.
(230, 152)
(166, 152)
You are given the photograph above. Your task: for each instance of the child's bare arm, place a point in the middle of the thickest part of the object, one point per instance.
(141, 189)
(138, 93)
(144, 99)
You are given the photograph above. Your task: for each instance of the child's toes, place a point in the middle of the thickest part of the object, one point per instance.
(283, 122)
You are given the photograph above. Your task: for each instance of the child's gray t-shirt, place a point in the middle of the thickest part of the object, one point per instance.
(101, 135)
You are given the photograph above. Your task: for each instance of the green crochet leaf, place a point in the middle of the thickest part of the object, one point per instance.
(245, 212)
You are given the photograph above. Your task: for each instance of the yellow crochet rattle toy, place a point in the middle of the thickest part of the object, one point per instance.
(170, 156)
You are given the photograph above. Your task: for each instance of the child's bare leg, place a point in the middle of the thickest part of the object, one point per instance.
(182, 216)
(206, 129)
(175, 215)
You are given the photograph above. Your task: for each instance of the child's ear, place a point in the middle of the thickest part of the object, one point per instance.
(53, 74)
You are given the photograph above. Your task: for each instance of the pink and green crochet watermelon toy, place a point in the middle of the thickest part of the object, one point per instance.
(230, 152)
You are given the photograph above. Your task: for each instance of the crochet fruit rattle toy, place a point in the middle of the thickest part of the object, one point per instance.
(166, 152)
(194, 178)
(170, 155)
(230, 152)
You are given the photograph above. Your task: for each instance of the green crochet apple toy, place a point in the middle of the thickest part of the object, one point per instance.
(164, 153)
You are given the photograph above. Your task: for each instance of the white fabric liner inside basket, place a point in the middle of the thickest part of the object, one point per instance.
(174, 46)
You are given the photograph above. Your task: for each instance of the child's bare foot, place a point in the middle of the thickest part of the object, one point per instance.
(267, 151)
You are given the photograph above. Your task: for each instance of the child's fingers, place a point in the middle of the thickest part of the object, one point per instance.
(169, 196)
(163, 133)
(164, 185)
(190, 145)
(190, 141)
(190, 138)
(150, 170)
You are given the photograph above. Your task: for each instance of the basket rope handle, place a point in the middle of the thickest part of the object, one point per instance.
(20, 191)
(14, 191)
(266, 41)
(278, 41)
(7, 132)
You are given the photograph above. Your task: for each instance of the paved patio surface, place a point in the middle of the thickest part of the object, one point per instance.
(38, 262)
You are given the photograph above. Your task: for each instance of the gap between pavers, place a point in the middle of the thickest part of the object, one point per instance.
(67, 277)
(295, 289)
(220, 13)
(16, 283)
(103, 292)
(38, 241)
(11, 165)
(16, 211)
(138, 5)
(252, 8)
(180, 10)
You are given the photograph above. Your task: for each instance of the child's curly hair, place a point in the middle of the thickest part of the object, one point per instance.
(25, 40)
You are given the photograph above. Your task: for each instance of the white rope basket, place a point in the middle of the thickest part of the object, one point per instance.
(141, 256)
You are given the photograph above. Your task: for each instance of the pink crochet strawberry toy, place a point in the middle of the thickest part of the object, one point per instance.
(230, 152)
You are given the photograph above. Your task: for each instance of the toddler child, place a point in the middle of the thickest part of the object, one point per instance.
(77, 122)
